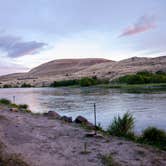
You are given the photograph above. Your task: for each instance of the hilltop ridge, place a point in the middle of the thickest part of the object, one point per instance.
(65, 69)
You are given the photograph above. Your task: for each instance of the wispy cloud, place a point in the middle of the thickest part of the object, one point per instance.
(143, 24)
(7, 67)
(16, 47)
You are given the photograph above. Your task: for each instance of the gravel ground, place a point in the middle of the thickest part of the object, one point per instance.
(47, 142)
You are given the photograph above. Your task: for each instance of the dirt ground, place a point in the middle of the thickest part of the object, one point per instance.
(49, 142)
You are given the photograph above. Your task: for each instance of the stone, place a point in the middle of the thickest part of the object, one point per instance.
(84, 121)
(52, 114)
(66, 119)
(13, 109)
(81, 119)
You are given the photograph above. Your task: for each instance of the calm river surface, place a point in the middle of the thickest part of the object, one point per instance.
(148, 109)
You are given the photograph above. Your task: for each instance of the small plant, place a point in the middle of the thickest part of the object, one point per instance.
(107, 160)
(23, 106)
(122, 126)
(154, 136)
(5, 101)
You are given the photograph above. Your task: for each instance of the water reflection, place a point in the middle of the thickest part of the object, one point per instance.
(148, 109)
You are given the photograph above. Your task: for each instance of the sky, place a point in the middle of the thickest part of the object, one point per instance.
(33, 32)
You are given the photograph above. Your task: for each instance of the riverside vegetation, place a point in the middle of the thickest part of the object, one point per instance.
(124, 127)
(21, 107)
(142, 81)
(85, 81)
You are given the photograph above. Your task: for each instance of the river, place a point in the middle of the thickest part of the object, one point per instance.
(149, 109)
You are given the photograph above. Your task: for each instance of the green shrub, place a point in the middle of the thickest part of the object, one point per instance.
(25, 85)
(122, 126)
(85, 81)
(64, 83)
(5, 101)
(13, 105)
(23, 106)
(7, 86)
(142, 77)
(154, 136)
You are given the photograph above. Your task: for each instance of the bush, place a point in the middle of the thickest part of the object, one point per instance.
(25, 85)
(122, 126)
(5, 101)
(23, 106)
(64, 83)
(154, 136)
(7, 86)
(85, 81)
(142, 77)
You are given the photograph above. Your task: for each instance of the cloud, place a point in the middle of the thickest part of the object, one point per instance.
(143, 24)
(16, 47)
(7, 67)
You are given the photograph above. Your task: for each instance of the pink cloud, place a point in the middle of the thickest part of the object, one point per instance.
(145, 23)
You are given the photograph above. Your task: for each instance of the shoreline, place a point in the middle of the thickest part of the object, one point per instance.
(145, 87)
(47, 141)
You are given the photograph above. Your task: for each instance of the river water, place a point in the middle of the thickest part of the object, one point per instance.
(149, 109)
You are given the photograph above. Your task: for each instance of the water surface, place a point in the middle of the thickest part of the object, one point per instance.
(148, 109)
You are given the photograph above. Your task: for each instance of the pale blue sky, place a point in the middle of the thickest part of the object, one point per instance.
(37, 31)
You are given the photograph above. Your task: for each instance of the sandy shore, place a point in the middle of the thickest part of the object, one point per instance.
(49, 142)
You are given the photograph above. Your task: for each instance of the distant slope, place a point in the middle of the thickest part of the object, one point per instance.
(113, 70)
(77, 68)
(65, 66)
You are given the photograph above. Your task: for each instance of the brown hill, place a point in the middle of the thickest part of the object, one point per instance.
(65, 66)
(77, 68)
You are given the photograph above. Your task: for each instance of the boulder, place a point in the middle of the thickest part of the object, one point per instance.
(66, 119)
(52, 114)
(14, 109)
(84, 121)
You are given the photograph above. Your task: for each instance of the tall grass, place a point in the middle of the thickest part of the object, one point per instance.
(122, 126)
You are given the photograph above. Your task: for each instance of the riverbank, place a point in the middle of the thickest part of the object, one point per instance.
(135, 88)
(43, 141)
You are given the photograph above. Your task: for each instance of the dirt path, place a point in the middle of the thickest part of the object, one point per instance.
(45, 142)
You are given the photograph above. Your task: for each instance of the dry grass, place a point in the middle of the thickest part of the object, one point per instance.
(108, 160)
(10, 160)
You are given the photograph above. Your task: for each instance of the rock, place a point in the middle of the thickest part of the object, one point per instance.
(52, 114)
(92, 134)
(14, 109)
(66, 119)
(81, 119)
(84, 121)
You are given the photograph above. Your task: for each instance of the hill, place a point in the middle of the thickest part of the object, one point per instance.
(66, 69)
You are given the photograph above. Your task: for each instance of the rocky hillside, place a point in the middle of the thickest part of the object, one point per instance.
(77, 68)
